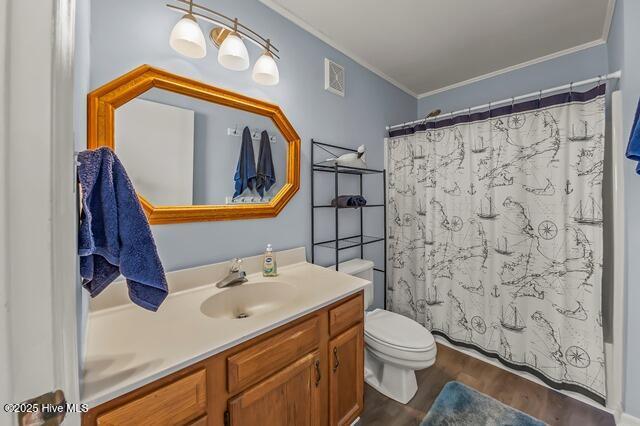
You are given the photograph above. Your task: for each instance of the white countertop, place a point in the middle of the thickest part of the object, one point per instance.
(128, 347)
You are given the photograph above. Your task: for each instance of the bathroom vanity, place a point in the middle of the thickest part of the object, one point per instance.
(287, 350)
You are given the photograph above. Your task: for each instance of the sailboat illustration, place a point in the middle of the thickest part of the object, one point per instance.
(478, 147)
(580, 137)
(418, 154)
(433, 297)
(428, 237)
(487, 211)
(511, 319)
(588, 213)
(504, 247)
(495, 291)
(421, 210)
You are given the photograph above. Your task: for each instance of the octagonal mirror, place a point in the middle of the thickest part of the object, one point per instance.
(195, 152)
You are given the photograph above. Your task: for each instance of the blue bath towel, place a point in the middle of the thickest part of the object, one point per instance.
(245, 176)
(114, 236)
(633, 148)
(266, 175)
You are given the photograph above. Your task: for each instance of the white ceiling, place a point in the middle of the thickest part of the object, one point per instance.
(422, 46)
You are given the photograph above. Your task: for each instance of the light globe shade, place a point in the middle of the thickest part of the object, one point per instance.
(233, 53)
(265, 71)
(187, 38)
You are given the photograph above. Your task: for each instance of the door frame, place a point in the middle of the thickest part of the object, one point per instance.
(38, 213)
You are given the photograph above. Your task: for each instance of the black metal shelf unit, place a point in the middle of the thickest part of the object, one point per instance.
(359, 240)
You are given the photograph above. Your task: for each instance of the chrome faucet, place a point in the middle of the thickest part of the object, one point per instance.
(236, 276)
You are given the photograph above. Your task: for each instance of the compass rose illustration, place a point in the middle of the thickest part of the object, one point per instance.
(547, 230)
(456, 223)
(577, 357)
(516, 121)
(478, 324)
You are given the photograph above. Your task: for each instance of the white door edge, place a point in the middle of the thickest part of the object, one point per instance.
(37, 203)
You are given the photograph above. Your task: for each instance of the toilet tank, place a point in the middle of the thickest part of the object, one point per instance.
(360, 268)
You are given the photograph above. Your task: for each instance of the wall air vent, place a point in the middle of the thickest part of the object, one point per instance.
(333, 77)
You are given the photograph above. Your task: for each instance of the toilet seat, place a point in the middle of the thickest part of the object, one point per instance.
(397, 332)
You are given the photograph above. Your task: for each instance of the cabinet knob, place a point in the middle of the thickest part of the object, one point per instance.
(336, 361)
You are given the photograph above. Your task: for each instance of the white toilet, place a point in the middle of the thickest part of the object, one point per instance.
(395, 346)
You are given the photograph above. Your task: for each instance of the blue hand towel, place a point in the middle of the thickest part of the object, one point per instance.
(114, 236)
(245, 176)
(266, 172)
(633, 148)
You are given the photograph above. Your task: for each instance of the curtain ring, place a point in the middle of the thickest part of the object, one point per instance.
(540, 98)
(570, 91)
(599, 81)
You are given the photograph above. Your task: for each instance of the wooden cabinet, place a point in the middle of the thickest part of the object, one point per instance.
(270, 355)
(290, 397)
(346, 380)
(308, 372)
(180, 402)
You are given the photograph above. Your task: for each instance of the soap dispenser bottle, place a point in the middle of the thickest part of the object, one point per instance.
(269, 266)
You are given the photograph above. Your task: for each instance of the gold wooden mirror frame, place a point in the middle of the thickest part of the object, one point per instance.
(103, 102)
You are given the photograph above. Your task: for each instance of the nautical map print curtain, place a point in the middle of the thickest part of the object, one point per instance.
(495, 235)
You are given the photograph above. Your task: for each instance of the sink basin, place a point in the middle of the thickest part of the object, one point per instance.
(248, 300)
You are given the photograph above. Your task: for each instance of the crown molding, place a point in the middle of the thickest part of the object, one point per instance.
(545, 58)
(286, 13)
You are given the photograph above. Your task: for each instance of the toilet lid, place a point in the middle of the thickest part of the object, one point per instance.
(397, 330)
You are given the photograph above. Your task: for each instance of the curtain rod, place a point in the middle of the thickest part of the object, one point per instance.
(612, 76)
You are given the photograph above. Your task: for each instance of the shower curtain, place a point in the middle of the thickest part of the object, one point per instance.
(495, 234)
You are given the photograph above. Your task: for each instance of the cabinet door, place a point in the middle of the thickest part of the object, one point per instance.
(346, 362)
(290, 397)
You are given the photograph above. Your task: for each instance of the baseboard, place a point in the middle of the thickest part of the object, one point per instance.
(628, 420)
(523, 374)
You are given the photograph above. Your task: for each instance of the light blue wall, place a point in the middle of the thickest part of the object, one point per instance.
(623, 54)
(574, 67)
(125, 34)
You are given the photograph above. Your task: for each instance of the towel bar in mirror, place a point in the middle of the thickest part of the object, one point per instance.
(172, 135)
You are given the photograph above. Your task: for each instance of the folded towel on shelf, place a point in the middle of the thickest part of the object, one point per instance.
(114, 236)
(349, 201)
(633, 148)
(245, 176)
(266, 175)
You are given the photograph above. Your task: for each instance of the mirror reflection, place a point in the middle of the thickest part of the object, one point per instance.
(180, 150)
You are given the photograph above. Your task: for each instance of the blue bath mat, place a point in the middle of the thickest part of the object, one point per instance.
(460, 405)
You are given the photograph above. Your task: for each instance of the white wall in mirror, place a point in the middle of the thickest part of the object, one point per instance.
(155, 142)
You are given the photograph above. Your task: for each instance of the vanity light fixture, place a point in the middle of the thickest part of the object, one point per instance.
(228, 35)
(233, 53)
(265, 71)
(187, 38)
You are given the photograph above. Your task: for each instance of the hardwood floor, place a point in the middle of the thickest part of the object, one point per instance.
(536, 400)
